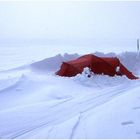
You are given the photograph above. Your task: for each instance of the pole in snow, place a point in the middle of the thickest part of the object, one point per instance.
(138, 47)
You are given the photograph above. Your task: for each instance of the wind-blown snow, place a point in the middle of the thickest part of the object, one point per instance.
(53, 63)
(36, 103)
(130, 59)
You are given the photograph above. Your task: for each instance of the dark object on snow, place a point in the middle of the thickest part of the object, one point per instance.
(98, 65)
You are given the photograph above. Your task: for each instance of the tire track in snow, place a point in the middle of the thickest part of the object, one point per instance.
(86, 101)
(75, 127)
(25, 131)
(69, 109)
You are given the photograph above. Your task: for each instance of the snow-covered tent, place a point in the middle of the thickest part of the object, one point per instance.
(99, 65)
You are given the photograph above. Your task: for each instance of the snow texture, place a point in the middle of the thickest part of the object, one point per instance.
(36, 103)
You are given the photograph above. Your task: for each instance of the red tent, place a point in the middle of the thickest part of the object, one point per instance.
(98, 65)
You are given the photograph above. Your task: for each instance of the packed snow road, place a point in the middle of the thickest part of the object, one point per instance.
(34, 105)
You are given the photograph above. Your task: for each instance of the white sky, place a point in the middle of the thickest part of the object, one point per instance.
(75, 21)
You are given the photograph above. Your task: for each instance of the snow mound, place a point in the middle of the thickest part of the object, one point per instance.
(53, 63)
(131, 60)
(9, 84)
(101, 81)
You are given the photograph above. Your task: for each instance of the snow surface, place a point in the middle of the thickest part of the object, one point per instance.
(35, 103)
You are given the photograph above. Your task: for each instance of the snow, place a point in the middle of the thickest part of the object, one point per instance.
(36, 103)
(117, 69)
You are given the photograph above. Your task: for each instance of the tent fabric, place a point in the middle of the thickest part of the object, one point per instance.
(98, 65)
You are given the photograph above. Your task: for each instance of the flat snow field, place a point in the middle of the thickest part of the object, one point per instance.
(36, 104)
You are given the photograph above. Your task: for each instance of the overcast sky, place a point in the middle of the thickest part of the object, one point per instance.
(69, 21)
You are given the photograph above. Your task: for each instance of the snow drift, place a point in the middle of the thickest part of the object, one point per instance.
(42, 105)
(130, 60)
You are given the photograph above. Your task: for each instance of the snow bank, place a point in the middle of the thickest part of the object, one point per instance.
(130, 59)
(101, 81)
(44, 105)
(53, 63)
(48, 106)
